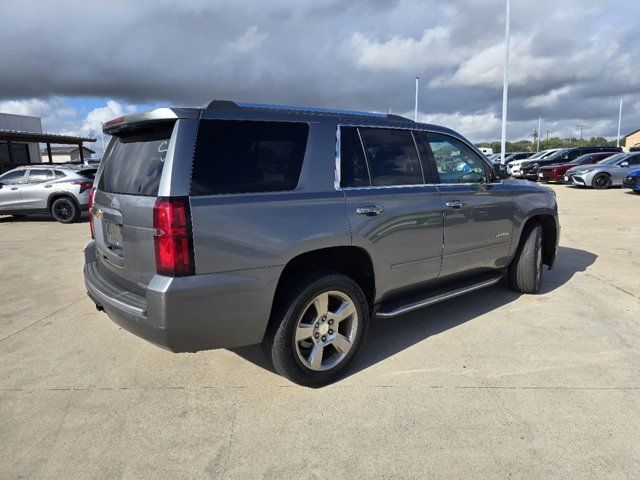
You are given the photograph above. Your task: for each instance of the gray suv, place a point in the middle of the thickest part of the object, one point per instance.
(241, 224)
(61, 190)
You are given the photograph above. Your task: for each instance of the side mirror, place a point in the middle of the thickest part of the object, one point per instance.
(624, 164)
(501, 170)
(1, 184)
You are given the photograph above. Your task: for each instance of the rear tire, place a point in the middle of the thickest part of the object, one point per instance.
(525, 271)
(317, 326)
(65, 210)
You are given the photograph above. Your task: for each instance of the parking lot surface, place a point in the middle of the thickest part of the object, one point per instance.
(492, 384)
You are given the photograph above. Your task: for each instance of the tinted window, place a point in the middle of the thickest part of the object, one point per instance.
(456, 163)
(246, 157)
(635, 160)
(392, 157)
(59, 174)
(12, 178)
(353, 167)
(134, 161)
(39, 176)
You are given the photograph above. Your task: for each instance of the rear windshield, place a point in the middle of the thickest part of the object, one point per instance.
(246, 157)
(134, 160)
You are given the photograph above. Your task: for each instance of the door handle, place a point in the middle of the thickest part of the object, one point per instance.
(455, 204)
(14, 188)
(370, 210)
(48, 186)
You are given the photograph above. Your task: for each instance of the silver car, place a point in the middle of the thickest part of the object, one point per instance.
(608, 173)
(61, 190)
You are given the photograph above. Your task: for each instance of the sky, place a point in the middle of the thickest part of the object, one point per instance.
(79, 63)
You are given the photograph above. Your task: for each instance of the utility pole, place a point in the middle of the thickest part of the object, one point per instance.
(581, 127)
(415, 110)
(102, 134)
(539, 132)
(505, 81)
(619, 124)
(547, 139)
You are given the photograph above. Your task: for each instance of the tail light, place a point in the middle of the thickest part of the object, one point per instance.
(172, 238)
(92, 193)
(83, 185)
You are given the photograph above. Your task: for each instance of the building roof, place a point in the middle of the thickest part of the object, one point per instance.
(33, 137)
(632, 133)
(65, 150)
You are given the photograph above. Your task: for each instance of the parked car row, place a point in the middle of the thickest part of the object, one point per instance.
(595, 167)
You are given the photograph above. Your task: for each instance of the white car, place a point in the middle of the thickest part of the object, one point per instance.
(514, 168)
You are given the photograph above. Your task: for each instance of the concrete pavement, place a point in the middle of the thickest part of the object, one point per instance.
(488, 385)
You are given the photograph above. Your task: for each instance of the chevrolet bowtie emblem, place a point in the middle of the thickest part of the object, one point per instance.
(99, 213)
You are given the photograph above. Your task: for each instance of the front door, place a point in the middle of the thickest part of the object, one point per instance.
(10, 185)
(37, 188)
(478, 213)
(392, 213)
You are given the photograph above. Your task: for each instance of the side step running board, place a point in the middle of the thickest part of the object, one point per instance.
(435, 297)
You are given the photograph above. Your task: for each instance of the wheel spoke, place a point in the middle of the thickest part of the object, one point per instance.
(344, 311)
(322, 303)
(304, 331)
(341, 343)
(315, 357)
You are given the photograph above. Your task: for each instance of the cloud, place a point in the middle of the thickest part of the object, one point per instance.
(547, 99)
(362, 54)
(92, 123)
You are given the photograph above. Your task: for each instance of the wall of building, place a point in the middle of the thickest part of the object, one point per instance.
(23, 123)
(632, 141)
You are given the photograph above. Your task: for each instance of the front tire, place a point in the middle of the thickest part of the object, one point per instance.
(317, 327)
(525, 271)
(601, 181)
(65, 210)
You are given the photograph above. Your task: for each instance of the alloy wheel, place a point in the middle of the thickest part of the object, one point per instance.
(326, 330)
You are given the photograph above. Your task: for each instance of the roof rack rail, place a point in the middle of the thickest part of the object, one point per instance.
(227, 104)
(393, 116)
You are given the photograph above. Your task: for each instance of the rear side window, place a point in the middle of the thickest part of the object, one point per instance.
(39, 176)
(392, 156)
(353, 166)
(134, 161)
(248, 157)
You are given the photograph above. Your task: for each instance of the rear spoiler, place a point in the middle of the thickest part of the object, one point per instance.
(140, 120)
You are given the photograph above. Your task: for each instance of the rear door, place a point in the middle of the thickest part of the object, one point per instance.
(393, 213)
(478, 212)
(37, 188)
(128, 185)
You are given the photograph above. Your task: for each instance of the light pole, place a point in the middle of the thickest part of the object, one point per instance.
(581, 127)
(539, 132)
(505, 81)
(619, 124)
(415, 109)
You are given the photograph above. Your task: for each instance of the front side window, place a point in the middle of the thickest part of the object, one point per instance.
(456, 163)
(39, 176)
(634, 160)
(392, 157)
(12, 178)
(353, 166)
(248, 157)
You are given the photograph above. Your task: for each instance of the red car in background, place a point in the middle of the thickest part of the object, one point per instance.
(555, 172)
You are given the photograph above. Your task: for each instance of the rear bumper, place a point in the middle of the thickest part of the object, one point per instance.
(188, 314)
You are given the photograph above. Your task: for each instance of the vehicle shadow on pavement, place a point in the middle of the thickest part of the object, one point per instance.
(37, 218)
(390, 336)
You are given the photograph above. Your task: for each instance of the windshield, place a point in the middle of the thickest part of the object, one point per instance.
(614, 159)
(539, 154)
(557, 155)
